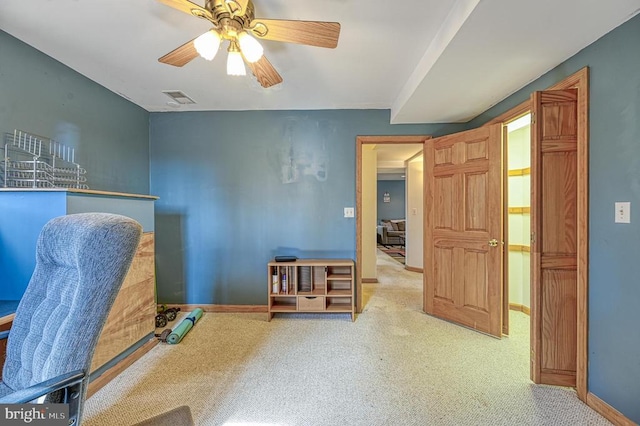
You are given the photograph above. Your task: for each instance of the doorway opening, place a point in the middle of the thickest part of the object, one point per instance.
(368, 224)
(399, 203)
(559, 230)
(517, 262)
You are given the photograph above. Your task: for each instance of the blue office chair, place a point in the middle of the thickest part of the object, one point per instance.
(81, 262)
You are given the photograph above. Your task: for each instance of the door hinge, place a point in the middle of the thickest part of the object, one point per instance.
(533, 237)
(533, 118)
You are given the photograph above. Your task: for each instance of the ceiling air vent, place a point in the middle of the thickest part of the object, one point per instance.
(179, 97)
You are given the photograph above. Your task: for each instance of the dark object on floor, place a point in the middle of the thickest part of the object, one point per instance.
(81, 262)
(163, 336)
(180, 416)
(165, 315)
(161, 321)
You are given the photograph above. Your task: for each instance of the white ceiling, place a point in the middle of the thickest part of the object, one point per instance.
(427, 60)
(391, 158)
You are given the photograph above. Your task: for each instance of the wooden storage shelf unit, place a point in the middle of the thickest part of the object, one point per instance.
(311, 285)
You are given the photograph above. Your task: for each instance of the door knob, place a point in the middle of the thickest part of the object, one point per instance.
(493, 243)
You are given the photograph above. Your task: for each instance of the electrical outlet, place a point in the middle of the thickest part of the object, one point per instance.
(623, 212)
(349, 212)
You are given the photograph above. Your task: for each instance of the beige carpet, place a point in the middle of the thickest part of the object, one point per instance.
(393, 366)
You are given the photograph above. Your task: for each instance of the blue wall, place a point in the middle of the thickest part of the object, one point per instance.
(396, 208)
(23, 216)
(110, 134)
(238, 188)
(614, 175)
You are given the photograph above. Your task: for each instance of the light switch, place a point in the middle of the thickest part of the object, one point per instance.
(414, 211)
(349, 212)
(623, 212)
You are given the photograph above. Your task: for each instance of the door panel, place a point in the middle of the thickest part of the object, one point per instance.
(554, 240)
(463, 212)
(476, 187)
(475, 271)
(558, 301)
(559, 215)
(444, 186)
(444, 274)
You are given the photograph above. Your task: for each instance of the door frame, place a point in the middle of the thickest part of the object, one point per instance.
(579, 81)
(369, 140)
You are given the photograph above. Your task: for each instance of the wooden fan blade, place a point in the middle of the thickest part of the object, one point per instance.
(312, 33)
(188, 7)
(180, 56)
(265, 73)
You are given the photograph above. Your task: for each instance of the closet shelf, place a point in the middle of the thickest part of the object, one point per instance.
(520, 172)
(519, 210)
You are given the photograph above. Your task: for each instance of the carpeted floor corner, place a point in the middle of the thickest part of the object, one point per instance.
(394, 365)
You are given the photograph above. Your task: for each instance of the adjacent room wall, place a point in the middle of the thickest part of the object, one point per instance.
(395, 209)
(238, 188)
(414, 257)
(369, 206)
(110, 134)
(614, 175)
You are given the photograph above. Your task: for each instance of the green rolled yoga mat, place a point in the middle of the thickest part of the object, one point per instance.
(183, 328)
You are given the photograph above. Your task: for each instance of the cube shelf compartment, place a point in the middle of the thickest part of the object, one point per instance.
(311, 285)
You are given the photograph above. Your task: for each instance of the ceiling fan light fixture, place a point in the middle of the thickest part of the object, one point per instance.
(234, 20)
(235, 64)
(251, 48)
(207, 44)
(233, 6)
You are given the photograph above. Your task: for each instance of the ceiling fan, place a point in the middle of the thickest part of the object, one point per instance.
(234, 21)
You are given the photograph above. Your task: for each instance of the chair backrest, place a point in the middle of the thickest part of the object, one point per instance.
(81, 262)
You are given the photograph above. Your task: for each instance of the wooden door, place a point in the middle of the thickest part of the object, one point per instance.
(554, 245)
(463, 214)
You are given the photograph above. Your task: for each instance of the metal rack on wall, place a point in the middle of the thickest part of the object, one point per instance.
(32, 161)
